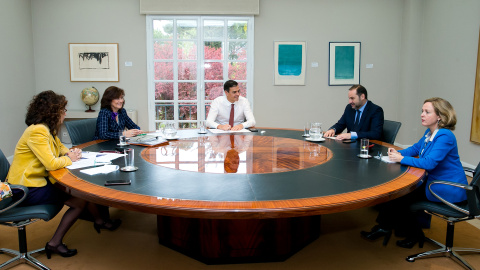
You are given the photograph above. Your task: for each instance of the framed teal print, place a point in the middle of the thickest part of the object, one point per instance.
(290, 62)
(344, 63)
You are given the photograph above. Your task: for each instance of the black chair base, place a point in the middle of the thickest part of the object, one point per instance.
(444, 251)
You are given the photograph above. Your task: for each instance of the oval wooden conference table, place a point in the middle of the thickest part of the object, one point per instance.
(246, 197)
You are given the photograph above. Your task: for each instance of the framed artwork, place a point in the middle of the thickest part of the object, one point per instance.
(344, 63)
(475, 129)
(290, 62)
(93, 62)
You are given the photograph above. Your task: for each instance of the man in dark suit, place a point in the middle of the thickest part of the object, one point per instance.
(362, 118)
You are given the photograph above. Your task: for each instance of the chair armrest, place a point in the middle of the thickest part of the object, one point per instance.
(25, 192)
(466, 187)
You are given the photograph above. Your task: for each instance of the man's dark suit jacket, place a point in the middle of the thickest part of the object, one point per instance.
(371, 123)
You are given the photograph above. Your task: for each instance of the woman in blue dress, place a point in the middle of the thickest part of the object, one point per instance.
(437, 153)
(112, 118)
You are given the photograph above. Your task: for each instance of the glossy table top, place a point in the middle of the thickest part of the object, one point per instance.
(275, 174)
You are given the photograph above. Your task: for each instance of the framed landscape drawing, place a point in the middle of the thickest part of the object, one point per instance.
(344, 63)
(93, 62)
(290, 62)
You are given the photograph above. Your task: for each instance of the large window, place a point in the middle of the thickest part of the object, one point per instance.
(189, 59)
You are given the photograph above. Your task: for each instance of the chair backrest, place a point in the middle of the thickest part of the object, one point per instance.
(4, 166)
(473, 197)
(390, 130)
(81, 131)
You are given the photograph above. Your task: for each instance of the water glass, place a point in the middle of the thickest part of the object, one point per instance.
(202, 126)
(122, 138)
(170, 131)
(364, 143)
(129, 159)
(306, 130)
(316, 131)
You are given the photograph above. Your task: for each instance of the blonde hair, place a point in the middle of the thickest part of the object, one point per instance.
(446, 112)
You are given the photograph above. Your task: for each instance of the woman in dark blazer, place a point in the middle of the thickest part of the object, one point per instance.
(437, 153)
(112, 118)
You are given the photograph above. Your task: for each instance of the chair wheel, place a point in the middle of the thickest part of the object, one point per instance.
(409, 259)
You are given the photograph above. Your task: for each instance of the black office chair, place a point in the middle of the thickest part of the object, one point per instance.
(13, 215)
(390, 130)
(81, 131)
(451, 213)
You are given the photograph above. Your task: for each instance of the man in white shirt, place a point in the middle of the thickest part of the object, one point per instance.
(231, 104)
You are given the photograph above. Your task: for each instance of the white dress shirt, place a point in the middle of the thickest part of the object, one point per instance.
(219, 113)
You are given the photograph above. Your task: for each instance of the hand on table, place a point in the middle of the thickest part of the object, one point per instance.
(237, 127)
(133, 132)
(393, 155)
(224, 127)
(344, 136)
(329, 133)
(74, 154)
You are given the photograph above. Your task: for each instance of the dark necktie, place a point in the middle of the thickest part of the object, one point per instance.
(357, 121)
(232, 113)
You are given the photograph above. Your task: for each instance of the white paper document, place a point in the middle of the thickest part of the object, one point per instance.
(385, 159)
(90, 159)
(101, 169)
(216, 131)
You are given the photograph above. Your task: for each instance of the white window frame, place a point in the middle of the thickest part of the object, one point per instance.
(201, 102)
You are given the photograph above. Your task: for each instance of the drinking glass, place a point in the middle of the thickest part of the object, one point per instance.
(364, 143)
(202, 127)
(129, 159)
(316, 131)
(170, 131)
(306, 130)
(122, 138)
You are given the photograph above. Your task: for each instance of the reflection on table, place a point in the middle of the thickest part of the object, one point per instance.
(241, 154)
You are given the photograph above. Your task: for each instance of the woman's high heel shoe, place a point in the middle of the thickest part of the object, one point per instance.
(410, 242)
(110, 225)
(376, 233)
(68, 253)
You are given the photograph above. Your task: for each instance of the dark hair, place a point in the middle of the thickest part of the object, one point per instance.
(446, 112)
(46, 108)
(110, 94)
(360, 90)
(229, 84)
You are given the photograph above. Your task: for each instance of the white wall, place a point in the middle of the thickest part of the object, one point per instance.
(17, 82)
(449, 60)
(418, 48)
(57, 23)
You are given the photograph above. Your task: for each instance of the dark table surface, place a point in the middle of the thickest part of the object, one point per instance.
(279, 173)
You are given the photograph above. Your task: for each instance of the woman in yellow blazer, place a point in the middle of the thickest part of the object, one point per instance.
(38, 151)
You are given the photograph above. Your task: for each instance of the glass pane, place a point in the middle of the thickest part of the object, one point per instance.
(187, 111)
(213, 50)
(207, 109)
(243, 89)
(163, 91)
(213, 29)
(187, 71)
(187, 91)
(163, 29)
(237, 71)
(187, 125)
(187, 50)
(237, 29)
(164, 111)
(163, 50)
(163, 71)
(213, 71)
(186, 29)
(213, 90)
(237, 50)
